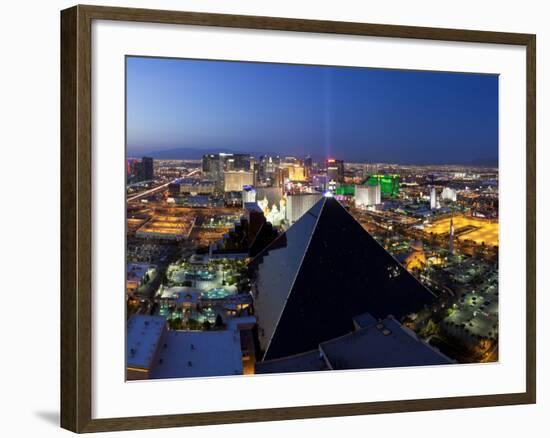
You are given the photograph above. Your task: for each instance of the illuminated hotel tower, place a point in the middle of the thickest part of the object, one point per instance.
(451, 236)
(433, 198)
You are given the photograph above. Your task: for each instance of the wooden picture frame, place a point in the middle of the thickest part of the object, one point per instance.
(76, 217)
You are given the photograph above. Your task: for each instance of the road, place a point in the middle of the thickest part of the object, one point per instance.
(161, 187)
(150, 191)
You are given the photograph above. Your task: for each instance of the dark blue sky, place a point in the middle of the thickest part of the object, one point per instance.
(357, 114)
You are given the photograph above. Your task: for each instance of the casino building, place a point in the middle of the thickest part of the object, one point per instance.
(311, 281)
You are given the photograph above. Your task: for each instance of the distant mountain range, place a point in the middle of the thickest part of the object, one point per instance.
(185, 153)
(196, 154)
(180, 153)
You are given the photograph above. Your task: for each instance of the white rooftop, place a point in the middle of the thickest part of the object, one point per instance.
(198, 354)
(142, 337)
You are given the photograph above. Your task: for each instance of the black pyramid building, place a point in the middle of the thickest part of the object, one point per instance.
(325, 269)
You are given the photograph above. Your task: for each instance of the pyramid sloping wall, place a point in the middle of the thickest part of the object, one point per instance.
(344, 272)
(280, 263)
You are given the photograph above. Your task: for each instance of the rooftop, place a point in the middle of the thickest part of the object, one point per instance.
(240, 322)
(136, 271)
(380, 345)
(142, 338)
(198, 354)
(364, 320)
(309, 361)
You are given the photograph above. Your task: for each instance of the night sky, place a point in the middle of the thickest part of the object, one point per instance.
(356, 114)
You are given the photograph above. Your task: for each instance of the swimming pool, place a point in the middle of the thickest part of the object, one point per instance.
(217, 293)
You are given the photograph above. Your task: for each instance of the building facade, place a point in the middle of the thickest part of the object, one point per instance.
(234, 181)
(448, 194)
(297, 205)
(335, 170)
(367, 196)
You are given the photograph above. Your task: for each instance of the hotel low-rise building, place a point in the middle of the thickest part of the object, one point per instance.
(154, 352)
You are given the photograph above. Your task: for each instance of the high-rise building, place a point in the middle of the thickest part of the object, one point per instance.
(296, 173)
(291, 161)
(281, 176)
(370, 169)
(451, 236)
(236, 180)
(212, 167)
(268, 167)
(297, 205)
(433, 198)
(147, 173)
(448, 194)
(389, 184)
(374, 196)
(308, 164)
(209, 161)
(335, 170)
(130, 166)
(234, 162)
(326, 267)
(140, 170)
(367, 195)
(226, 162)
(291, 169)
(135, 171)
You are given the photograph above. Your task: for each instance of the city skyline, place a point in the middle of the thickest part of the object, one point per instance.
(356, 114)
(326, 253)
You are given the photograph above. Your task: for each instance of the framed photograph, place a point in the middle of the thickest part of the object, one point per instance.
(270, 218)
